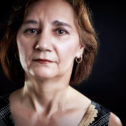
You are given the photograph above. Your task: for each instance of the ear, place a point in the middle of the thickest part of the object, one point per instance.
(80, 51)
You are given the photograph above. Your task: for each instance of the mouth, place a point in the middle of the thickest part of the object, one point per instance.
(43, 61)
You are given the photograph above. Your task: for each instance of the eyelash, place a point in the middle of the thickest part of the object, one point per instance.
(61, 29)
(32, 31)
(35, 31)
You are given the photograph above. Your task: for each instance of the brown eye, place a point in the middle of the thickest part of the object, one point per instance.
(61, 31)
(31, 31)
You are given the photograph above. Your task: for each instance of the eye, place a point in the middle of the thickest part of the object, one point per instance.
(32, 31)
(60, 31)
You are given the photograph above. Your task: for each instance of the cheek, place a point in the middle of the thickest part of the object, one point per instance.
(67, 52)
(68, 49)
(25, 51)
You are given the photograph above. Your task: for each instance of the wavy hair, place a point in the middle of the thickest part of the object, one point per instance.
(8, 46)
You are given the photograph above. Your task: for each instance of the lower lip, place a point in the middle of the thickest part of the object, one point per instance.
(43, 61)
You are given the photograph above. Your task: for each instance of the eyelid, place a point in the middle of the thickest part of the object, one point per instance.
(30, 30)
(66, 31)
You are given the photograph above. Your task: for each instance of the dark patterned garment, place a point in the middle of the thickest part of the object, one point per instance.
(102, 118)
(103, 115)
(5, 115)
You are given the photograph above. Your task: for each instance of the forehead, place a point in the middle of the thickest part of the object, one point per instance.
(52, 9)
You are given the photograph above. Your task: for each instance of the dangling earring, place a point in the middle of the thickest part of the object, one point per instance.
(78, 60)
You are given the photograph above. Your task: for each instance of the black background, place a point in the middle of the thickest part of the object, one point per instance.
(106, 83)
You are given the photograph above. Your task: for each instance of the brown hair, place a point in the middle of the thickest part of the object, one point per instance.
(8, 48)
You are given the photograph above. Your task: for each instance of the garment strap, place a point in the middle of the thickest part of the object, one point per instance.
(89, 116)
(96, 115)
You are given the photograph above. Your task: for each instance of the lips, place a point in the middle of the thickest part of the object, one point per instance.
(43, 61)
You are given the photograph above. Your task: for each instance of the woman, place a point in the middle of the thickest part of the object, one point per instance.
(44, 41)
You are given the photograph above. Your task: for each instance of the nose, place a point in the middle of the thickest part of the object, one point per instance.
(43, 42)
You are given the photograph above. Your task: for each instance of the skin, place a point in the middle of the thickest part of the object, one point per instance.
(114, 120)
(47, 98)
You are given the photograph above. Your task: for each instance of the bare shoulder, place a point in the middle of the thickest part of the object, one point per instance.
(79, 97)
(114, 120)
(15, 98)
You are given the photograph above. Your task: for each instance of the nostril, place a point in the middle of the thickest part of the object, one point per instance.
(41, 48)
(43, 43)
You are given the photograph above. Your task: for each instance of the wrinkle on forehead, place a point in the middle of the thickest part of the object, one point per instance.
(60, 7)
(53, 10)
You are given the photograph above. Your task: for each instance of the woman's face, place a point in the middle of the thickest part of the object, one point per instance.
(49, 24)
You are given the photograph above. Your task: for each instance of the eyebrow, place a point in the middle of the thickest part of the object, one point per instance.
(55, 23)
(60, 23)
(30, 22)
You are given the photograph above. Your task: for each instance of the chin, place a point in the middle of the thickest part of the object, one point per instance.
(42, 73)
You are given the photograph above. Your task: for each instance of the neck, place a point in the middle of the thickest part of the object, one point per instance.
(46, 96)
